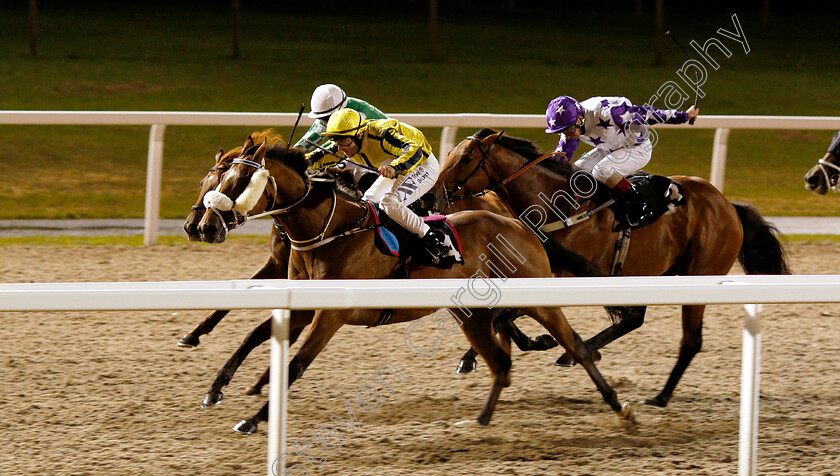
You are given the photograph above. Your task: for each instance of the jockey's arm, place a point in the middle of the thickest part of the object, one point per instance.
(566, 147)
(313, 138)
(651, 115)
(320, 158)
(834, 148)
(407, 151)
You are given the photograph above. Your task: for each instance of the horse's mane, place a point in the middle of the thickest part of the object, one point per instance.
(258, 136)
(528, 149)
(292, 157)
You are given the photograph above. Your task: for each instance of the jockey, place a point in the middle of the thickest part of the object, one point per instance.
(407, 167)
(326, 99)
(617, 129)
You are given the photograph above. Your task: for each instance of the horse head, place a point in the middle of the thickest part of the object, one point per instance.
(264, 178)
(213, 178)
(824, 175)
(225, 207)
(208, 183)
(469, 169)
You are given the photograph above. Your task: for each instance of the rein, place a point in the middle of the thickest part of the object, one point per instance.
(318, 240)
(483, 164)
(823, 164)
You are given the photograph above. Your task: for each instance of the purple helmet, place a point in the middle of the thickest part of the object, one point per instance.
(561, 113)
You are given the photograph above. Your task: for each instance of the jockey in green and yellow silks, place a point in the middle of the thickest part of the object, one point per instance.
(407, 167)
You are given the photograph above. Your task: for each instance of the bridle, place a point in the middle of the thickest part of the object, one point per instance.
(317, 240)
(483, 164)
(833, 185)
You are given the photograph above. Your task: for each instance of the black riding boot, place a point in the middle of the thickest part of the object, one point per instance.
(434, 242)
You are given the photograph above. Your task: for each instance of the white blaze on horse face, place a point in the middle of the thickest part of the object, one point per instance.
(252, 192)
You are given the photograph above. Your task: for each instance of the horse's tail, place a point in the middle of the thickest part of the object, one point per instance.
(561, 257)
(761, 251)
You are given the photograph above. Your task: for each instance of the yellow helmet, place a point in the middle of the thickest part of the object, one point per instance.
(345, 122)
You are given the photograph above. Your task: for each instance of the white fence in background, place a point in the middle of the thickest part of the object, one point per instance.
(449, 122)
(283, 295)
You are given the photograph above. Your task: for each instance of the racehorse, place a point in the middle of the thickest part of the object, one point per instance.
(703, 236)
(824, 176)
(276, 267)
(332, 238)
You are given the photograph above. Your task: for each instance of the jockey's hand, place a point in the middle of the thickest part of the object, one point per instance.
(387, 171)
(693, 112)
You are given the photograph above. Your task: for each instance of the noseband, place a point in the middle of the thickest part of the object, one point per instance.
(833, 185)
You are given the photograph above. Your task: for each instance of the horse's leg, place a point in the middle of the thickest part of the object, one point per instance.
(481, 338)
(269, 270)
(634, 319)
(324, 327)
(522, 341)
(556, 323)
(692, 340)
(254, 338)
(467, 363)
(504, 319)
(256, 389)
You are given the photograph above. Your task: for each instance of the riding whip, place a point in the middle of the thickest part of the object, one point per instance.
(696, 73)
(300, 113)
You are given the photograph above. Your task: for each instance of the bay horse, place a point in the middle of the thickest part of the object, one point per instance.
(825, 175)
(332, 238)
(277, 265)
(703, 236)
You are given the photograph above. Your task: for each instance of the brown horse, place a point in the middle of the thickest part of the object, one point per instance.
(824, 176)
(277, 265)
(704, 236)
(332, 238)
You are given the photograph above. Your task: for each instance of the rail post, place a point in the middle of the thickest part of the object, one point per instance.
(154, 170)
(750, 376)
(278, 387)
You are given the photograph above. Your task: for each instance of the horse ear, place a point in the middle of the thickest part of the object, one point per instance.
(259, 155)
(493, 138)
(248, 143)
(220, 154)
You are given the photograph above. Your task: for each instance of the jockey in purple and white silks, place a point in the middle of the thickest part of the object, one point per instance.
(618, 131)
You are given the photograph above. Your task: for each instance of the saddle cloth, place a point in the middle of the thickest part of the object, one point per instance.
(661, 194)
(392, 240)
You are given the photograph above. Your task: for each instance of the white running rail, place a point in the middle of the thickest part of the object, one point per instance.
(283, 295)
(158, 120)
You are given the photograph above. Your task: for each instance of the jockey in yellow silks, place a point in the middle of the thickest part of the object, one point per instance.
(407, 167)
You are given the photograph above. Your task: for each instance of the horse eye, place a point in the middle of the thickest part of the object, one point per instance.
(465, 160)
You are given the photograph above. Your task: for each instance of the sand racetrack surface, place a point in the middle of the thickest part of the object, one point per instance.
(110, 393)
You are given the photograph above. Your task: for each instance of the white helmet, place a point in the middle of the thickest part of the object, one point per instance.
(326, 99)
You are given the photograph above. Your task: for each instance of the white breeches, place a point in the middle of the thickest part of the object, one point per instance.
(394, 195)
(603, 164)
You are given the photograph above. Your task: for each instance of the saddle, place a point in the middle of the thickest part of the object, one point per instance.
(392, 240)
(661, 194)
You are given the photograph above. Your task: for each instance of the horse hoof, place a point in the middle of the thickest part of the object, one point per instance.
(465, 367)
(545, 342)
(469, 424)
(628, 412)
(246, 427)
(565, 361)
(658, 401)
(212, 399)
(188, 341)
(253, 391)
